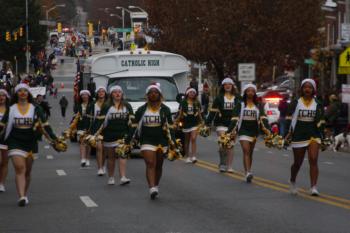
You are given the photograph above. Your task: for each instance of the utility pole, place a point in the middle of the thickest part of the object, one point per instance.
(347, 20)
(27, 39)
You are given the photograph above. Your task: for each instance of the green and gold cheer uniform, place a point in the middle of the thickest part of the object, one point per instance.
(22, 131)
(222, 111)
(2, 142)
(247, 120)
(153, 128)
(190, 115)
(83, 113)
(116, 123)
(306, 122)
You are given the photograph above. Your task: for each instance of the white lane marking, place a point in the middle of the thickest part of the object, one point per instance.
(256, 149)
(49, 156)
(61, 172)
(88, 202)
(328, 163)
(285, 155)
(47, 147)
(306, 159)
(270, 152)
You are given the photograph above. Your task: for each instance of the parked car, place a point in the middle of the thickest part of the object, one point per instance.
(272, 112)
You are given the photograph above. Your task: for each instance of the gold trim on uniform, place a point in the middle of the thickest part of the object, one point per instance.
(101, 117)
(214, 110)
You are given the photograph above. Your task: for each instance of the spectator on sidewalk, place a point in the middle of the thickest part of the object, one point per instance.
(283, 107)
(332, 112)
(44, 105)
(64, 104)
(205, 99)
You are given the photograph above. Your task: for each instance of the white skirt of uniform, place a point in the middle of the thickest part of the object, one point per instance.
(221, 129)
(21, 153)
(305, 143)
(247, 138)
(189, 130)
(111, 144)
(152, 148)
(3, 147)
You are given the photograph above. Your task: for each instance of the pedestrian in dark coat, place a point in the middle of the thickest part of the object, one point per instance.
(64, 104)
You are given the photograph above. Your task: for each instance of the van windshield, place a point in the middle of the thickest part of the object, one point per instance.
(135, 87)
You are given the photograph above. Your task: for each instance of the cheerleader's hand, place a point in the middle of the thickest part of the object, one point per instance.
(60, 145)
(174, 154)
(233, 136)
(268, 140)
(204, 131)
(91, 140)
(67, 134)
(123, 151)
(325, 143)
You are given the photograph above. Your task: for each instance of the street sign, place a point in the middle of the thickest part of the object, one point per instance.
(47, 23)
(246, 72)
(123, 30)
(344, 62)
(309, 61)
(345, 31)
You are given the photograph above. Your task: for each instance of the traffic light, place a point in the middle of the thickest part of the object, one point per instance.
(8, 36)
(59, 27)
(15, 36)
(20, 31)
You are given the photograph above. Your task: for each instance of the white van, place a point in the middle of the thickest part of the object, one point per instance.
(134, 71)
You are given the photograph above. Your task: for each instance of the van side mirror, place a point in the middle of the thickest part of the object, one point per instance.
(180, 97)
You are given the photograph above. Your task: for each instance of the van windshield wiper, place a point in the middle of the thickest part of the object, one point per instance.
(116, 72)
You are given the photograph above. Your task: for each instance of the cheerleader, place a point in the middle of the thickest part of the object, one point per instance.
(114, 123)
(155, 131)
(190, 116)
(305, 120)
(4, 104)
(101, 97)
(221, 112)
(82, 119)
(248, 118)
(21, 125)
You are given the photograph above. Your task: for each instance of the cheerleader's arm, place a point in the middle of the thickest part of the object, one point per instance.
(3, 122)
(235, 119)
(133, 124)
(44, 125)
(97, 123)
(213, 111)
(264, 123)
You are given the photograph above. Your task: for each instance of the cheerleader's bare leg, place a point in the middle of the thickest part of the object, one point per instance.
(19, 164)
(313, 150)
(247, 161)
(29, 165)
(187, 144)
(110, 160)
(159, 168)
(122, 167)
(3, 166)
(150, 158)
(193, 139)
(100, 155)
(299, 154)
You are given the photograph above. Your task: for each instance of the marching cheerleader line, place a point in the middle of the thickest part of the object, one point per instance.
(110, 125)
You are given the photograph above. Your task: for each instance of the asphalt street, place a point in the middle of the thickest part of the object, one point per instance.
(193, 198)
